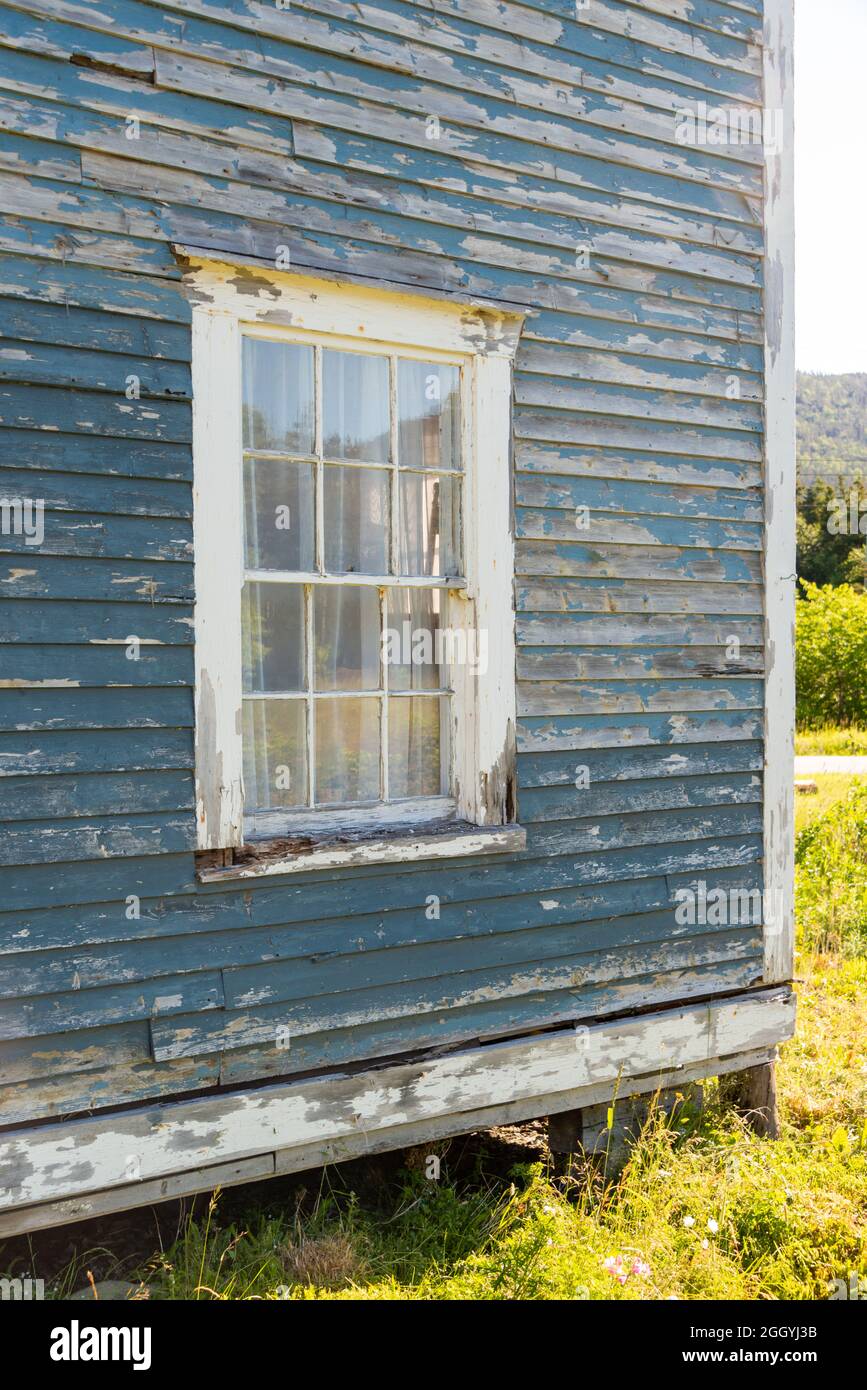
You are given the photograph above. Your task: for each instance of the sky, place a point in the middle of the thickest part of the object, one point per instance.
(831, 184)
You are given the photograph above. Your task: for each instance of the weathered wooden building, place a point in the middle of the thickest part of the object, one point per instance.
(397, 488)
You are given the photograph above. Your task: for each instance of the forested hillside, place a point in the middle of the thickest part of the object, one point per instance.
(832, 426)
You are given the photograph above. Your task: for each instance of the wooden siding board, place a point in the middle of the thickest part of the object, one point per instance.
(323, 914)
(307, 127)
(500, 1000)
(276, 963)
(292, 64)
(58, 272)
(43, 576)
(98, 665)
(95, 794)
(607, 597)
(142, 460)
(53, 752)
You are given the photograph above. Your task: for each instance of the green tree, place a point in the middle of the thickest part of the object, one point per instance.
(831, 656)
(828, 553)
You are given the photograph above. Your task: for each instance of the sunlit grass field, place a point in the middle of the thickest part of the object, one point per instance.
(831, 743)
(832, 786)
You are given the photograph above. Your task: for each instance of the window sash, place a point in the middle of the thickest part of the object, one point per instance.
(319, 459)
(312, 806)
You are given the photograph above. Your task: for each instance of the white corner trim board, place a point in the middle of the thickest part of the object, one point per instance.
(63, 1161)
(779, 480)
(229, 300)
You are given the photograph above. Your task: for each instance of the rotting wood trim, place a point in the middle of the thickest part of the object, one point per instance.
(305, 854)
(284, 1161)
(61, 1161)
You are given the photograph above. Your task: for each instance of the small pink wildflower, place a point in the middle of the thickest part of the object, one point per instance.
(614, 1266)
(641, 1268)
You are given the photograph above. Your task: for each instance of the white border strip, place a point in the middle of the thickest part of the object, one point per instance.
(779, 540)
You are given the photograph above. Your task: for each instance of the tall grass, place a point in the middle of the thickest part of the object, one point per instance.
(701, 1211)
(831, 887)
(831, 742)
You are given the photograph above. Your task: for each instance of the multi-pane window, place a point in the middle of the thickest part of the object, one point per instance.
(352, 483)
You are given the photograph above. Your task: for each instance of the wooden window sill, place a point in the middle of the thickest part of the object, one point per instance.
(457, 841)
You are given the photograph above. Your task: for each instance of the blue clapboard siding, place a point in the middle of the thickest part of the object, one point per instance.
(123, 978)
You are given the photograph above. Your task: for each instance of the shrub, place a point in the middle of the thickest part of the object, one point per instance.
(831, 656)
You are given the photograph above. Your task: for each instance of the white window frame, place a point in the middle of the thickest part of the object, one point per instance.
(229, 299)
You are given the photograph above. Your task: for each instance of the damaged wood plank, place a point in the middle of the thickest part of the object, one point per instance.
(61, 1161)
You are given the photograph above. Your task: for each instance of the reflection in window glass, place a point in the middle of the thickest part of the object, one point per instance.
(272, 637)
(278, 515)
(346, 640)
(347, 750)
(428, 398)
(414, 752)
(356, 506)
(355, 406)
(275, 754)
(429, 541)
(278, 396)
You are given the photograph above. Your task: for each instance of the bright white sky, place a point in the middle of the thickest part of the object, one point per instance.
(831, 184)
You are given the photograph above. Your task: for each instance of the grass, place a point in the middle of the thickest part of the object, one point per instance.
(831, 743)
(831, 862)
(703, 1210)
(832, 787)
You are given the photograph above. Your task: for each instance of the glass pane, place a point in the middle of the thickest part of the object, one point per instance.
(347, 750)
(356, 520)
(278, 396)
(272, 637)
(429, 420)
(412, 640)
(278, 515)
(275, 754)
(346, 638)
(355, 406)
(429, 528)
(414, 747)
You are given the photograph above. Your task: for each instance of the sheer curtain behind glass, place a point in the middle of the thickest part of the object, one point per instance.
(335, 713)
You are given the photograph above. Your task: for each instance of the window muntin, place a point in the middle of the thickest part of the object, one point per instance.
(353, 485)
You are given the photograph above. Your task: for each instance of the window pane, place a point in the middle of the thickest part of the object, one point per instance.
(429, 534)
(278, 515)
(275, 754)
(428, 398)
(356, 520)
(411, 641)
(346, 638)
(347, 750)
(414, 747)
(278, 396)
(355, 406)
(272, 628)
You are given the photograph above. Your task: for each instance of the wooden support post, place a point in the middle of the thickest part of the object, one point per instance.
(753, 1093)
(564, 1137)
